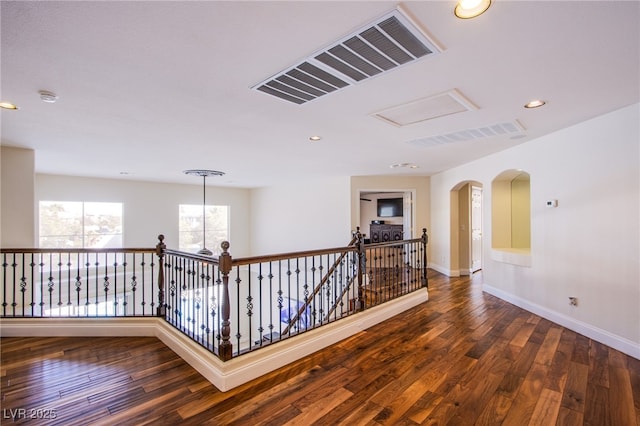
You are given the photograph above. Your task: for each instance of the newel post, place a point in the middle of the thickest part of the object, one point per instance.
(361, 260)
(160, 248)
(425, 240)
(225, 350)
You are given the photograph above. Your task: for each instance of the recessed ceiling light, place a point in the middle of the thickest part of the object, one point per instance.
(315, 138)
(467, 9)
(536, 103)
(48, 97)
(8, 105)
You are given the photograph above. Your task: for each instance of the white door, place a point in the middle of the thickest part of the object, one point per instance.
(476, 228)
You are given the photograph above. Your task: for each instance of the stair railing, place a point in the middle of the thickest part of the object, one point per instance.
(322, 282)
(229, 306)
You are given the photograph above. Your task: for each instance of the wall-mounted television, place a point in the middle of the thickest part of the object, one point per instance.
(389, 207)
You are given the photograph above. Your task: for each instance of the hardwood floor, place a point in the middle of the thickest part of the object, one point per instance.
(462, 358)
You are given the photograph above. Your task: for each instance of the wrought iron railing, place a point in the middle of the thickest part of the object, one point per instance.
(78, 282)
(229, 306)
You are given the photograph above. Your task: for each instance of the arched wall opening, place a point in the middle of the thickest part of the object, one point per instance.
(466, 228)
(511, 211)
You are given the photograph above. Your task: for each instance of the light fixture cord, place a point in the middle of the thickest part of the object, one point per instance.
(204, 203)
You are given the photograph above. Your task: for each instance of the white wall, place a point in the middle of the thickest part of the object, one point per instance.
(588, 247)
(303, 215)
(151, 208)
(17, 208)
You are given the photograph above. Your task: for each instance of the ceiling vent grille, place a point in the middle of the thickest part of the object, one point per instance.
(388, 43)
(509, 128)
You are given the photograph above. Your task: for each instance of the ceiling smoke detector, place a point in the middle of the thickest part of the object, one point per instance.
(403, 166)
(48, 97)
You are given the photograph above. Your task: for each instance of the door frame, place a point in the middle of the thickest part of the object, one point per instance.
(407, 234)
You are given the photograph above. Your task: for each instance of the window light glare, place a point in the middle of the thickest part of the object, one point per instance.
(536, 103)
(467, 9)
(8, 105)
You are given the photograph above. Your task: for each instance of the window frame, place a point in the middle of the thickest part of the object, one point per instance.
(209, 237)
(84, 235)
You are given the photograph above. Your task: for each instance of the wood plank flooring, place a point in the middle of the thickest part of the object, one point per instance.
(463, 358)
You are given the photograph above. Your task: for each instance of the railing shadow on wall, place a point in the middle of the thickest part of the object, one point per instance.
(228, 306)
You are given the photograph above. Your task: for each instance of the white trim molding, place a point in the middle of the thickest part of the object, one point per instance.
(617, 342)
(443, 270)
(223, 375)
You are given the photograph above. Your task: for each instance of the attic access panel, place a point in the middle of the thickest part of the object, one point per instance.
(386, 44)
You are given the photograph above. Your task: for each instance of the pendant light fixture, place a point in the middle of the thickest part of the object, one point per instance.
(204, 173)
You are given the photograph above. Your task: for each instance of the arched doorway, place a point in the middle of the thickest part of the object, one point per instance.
(466, 228)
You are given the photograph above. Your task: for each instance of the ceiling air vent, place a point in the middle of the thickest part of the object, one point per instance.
(388, 43)
(509, 128)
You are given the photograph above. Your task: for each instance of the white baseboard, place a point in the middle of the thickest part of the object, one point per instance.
(443, 270)
(78, 327)
(223, 375)
(617, 342)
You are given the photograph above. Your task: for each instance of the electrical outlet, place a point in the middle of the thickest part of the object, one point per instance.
(573, 301)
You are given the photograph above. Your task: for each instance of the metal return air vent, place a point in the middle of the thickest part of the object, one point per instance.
(508, 128)
(388, 43)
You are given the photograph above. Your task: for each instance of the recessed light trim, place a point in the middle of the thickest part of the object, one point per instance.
(467, 9)
(8, 105)
(315, 138)
(536, 103)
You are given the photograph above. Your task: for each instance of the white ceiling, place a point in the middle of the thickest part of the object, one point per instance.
(154, 88)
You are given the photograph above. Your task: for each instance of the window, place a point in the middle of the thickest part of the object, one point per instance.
(76, 224)
(190, 228)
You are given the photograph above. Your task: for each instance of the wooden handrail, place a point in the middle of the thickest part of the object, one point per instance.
(78, 250)
(194, 256)
(291, 255)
